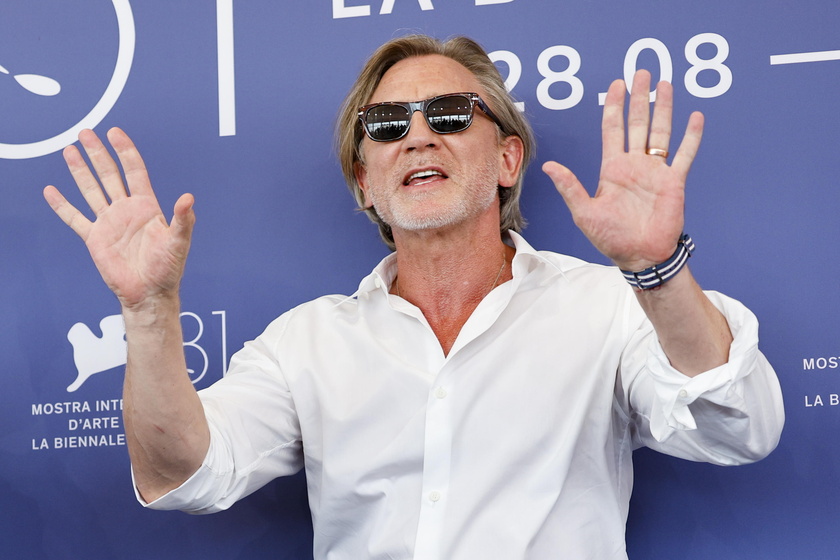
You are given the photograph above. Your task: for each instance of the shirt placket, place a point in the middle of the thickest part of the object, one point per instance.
(436, 472)
(440, 430)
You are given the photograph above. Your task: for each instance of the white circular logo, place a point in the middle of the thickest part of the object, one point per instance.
(125, 56)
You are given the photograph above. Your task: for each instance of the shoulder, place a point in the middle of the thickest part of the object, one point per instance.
(572, 269)
(580, 273)
(324, 307)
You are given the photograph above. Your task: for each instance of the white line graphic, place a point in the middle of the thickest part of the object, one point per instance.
(799, 58)
(227, 88)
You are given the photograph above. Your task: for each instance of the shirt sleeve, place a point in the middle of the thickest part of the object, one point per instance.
(254, 432)
(732, 414)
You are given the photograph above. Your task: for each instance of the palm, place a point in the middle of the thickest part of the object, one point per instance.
(133, 249)
(636, 215)
(639, 202)
(137, 253)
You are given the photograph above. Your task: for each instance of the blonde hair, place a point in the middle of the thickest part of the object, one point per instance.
(471, 55)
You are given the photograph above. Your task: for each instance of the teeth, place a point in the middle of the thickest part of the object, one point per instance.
(422, 174)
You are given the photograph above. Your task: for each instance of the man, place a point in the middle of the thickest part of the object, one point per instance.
(474, 398)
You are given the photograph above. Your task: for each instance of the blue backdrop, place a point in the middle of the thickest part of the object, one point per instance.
(235, 102)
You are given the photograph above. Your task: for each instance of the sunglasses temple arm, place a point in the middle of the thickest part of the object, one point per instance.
(487, 111)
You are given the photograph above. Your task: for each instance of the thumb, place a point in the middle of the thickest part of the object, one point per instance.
(567, 185)
(183, 219)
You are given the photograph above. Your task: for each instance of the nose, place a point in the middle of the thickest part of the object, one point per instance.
(419, 134)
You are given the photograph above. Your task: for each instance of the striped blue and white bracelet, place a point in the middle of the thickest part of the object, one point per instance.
(658, 274)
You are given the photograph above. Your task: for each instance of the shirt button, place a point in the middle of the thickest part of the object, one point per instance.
(377, 282)
(440, 393)
(683, 393)
(434, 496)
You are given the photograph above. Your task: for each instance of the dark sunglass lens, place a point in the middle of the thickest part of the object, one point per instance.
(449, 114)
(386, 122)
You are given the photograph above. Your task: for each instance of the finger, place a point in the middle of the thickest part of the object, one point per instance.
(690, 144)
(638, 117)
(660, 126)
(612, 123)
(86, 181)
(568, 186)
(132, 163)
(105, 166)
(67, 212)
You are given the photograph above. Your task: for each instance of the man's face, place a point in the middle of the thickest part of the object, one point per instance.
(427, 180)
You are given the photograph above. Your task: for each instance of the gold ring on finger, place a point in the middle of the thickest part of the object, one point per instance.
(657, 152)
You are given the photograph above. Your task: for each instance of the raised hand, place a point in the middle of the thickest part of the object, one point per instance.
(637, 213)
(138, 254)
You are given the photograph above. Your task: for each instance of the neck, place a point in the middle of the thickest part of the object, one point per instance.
(446, 277)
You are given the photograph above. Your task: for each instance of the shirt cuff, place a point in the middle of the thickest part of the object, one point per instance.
(675, 391)
(196, 495)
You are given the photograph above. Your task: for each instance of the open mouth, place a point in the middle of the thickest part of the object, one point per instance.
(422, 177)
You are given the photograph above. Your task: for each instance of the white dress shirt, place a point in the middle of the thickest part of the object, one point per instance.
(517, 445)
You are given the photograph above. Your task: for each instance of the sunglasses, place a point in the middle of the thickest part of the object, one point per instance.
(445, 114)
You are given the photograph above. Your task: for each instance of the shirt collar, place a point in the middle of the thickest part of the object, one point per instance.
(526, 260)
(381, 278)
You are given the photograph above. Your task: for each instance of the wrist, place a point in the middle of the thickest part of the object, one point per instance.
(655, 276)
(152, 311)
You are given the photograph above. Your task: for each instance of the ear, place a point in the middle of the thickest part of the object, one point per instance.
(511, 155)
(361, 178)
